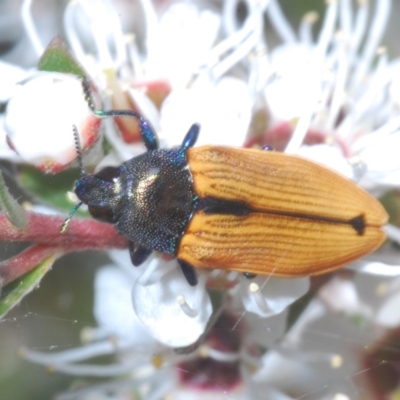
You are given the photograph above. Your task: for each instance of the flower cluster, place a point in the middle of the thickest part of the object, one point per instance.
(332, 98)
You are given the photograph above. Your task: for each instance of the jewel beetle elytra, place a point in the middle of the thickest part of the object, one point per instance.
(254, 211)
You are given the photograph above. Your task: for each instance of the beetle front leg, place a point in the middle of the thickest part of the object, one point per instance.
(138, 253)
(191, 137)
(188, 272)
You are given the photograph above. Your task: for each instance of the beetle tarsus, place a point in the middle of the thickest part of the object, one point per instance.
(188, 272)
(138, 254)
(191, 137)
(267, 147)
(249, 275)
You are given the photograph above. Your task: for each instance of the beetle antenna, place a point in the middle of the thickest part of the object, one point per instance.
(88, 93)
(78, 149)
(101, 113)
(66, 222)
(148, 135)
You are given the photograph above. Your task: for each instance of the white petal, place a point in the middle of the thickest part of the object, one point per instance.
(389, 313)
(10, 75)
(223, 112)
(297, 82)
(40, 117)
(267, 296)
(158, 305)
(5, 151)
(383, 161)
(375, 268)
(341, 296)
(185, 35)
(330, 156)
(113, 306)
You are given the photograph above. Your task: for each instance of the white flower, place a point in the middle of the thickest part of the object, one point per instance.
(40, 119)
(339, 88)
(224, 362)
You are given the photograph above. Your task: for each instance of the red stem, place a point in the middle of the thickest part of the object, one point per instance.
(23, 262)
(44, 232)
(80, 234)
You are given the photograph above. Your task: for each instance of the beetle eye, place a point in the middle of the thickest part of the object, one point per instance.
(108, 174)
(103, 214)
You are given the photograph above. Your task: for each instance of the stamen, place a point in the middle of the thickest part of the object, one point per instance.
(346, 17)
(185, 307)
(157, 361)
(107, 387)
(72, 35)
(223, 356)
(89, 335)
(280, 23)
(155, 271)
(305, 30)
(255, 292)
(96, 370)
(327, 29)
(75, 355)
(374, 37)
(336, 361)
(30, 27)
(339, 95)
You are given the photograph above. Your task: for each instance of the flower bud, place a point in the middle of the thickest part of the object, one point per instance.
(40, 118)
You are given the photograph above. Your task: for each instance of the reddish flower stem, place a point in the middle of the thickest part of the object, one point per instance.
(23, 262)
(80, 234)
(44, 232)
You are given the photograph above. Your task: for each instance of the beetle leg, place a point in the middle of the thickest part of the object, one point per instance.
(267, 147)
(249, 275)
(138, 253)
(188, 272)
(148, 136)
(191, 137)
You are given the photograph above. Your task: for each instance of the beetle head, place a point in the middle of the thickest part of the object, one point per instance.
(101, 192)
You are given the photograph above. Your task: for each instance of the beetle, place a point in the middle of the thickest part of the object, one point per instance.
(253, 211)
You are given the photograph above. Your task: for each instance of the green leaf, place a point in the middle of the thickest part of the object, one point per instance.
(57, 58)
(17, 290)
(50, 189)
(10, 207)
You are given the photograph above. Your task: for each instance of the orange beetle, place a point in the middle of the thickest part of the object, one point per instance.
(254, 211)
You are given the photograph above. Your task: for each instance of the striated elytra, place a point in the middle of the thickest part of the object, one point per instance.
(254, 211)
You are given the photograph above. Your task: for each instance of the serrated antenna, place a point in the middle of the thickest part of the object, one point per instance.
(78, 149)
(88, 93)
(83, 173)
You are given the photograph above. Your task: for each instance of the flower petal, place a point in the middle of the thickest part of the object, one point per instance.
(223, 112)
(267, 296)
(164, 306)
(40, 117)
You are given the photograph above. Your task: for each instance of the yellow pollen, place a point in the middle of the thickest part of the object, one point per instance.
(253, 287)
(336, 361)
(157, 361)
(311, 17)
(204, 351)
(381, 289)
